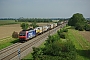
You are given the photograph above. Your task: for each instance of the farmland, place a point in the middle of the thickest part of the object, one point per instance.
(7, 22)
(7, 30)
(81, 43)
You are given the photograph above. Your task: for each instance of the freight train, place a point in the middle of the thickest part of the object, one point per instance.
(25, 35)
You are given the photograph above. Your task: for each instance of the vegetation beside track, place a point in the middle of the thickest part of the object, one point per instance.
(81, 44)
(29, 56)
(7, 42)
(56, 47)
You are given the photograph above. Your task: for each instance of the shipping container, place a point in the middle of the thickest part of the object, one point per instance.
(51, 26)
(54, 25)
(38, 30)
(45, 28)
(31, 34)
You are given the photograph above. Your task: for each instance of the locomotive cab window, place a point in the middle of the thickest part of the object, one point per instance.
(21, 34)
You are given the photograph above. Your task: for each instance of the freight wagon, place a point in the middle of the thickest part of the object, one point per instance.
(39, 30)
(54, 25)
(51, 26)
(45, 28)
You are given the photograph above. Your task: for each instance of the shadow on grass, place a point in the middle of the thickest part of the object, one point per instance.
(15, 41)
(84, 53)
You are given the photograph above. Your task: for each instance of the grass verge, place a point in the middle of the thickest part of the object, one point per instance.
(7, 42)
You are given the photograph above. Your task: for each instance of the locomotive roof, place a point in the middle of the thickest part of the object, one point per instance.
(22, 32)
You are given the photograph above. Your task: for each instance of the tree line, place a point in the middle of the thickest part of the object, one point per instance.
(32, 20)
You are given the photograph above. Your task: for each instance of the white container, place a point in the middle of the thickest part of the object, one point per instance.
(54, 25)
(51, 26)
(45, 28)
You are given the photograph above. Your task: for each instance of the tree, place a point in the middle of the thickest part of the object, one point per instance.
(34, 24)
(24, 26)
(87, 27)
(79, 26)
(76, 18)
(36, 54)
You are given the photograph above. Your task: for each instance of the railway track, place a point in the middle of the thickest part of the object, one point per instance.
(12, 51)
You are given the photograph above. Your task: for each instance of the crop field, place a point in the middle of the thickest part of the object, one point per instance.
(7, 22)
(81, 41)
(85, 34)
(7, 30)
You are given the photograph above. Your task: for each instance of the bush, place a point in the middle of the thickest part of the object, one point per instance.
(59, 50)
(56, 49)
(15, 34)
(65, 30)
(62, 35)
(66, 25)
(79, 26)
(81, 29)
(87, 27)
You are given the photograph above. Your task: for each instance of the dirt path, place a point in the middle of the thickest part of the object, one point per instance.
(85, 34)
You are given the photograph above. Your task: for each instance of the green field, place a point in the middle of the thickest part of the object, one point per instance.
(7, 42)
(81, 44)
(7, 22)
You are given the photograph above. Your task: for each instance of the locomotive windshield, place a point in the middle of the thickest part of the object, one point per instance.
(22, 33)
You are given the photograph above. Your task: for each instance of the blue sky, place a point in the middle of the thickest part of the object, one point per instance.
(43, 8)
